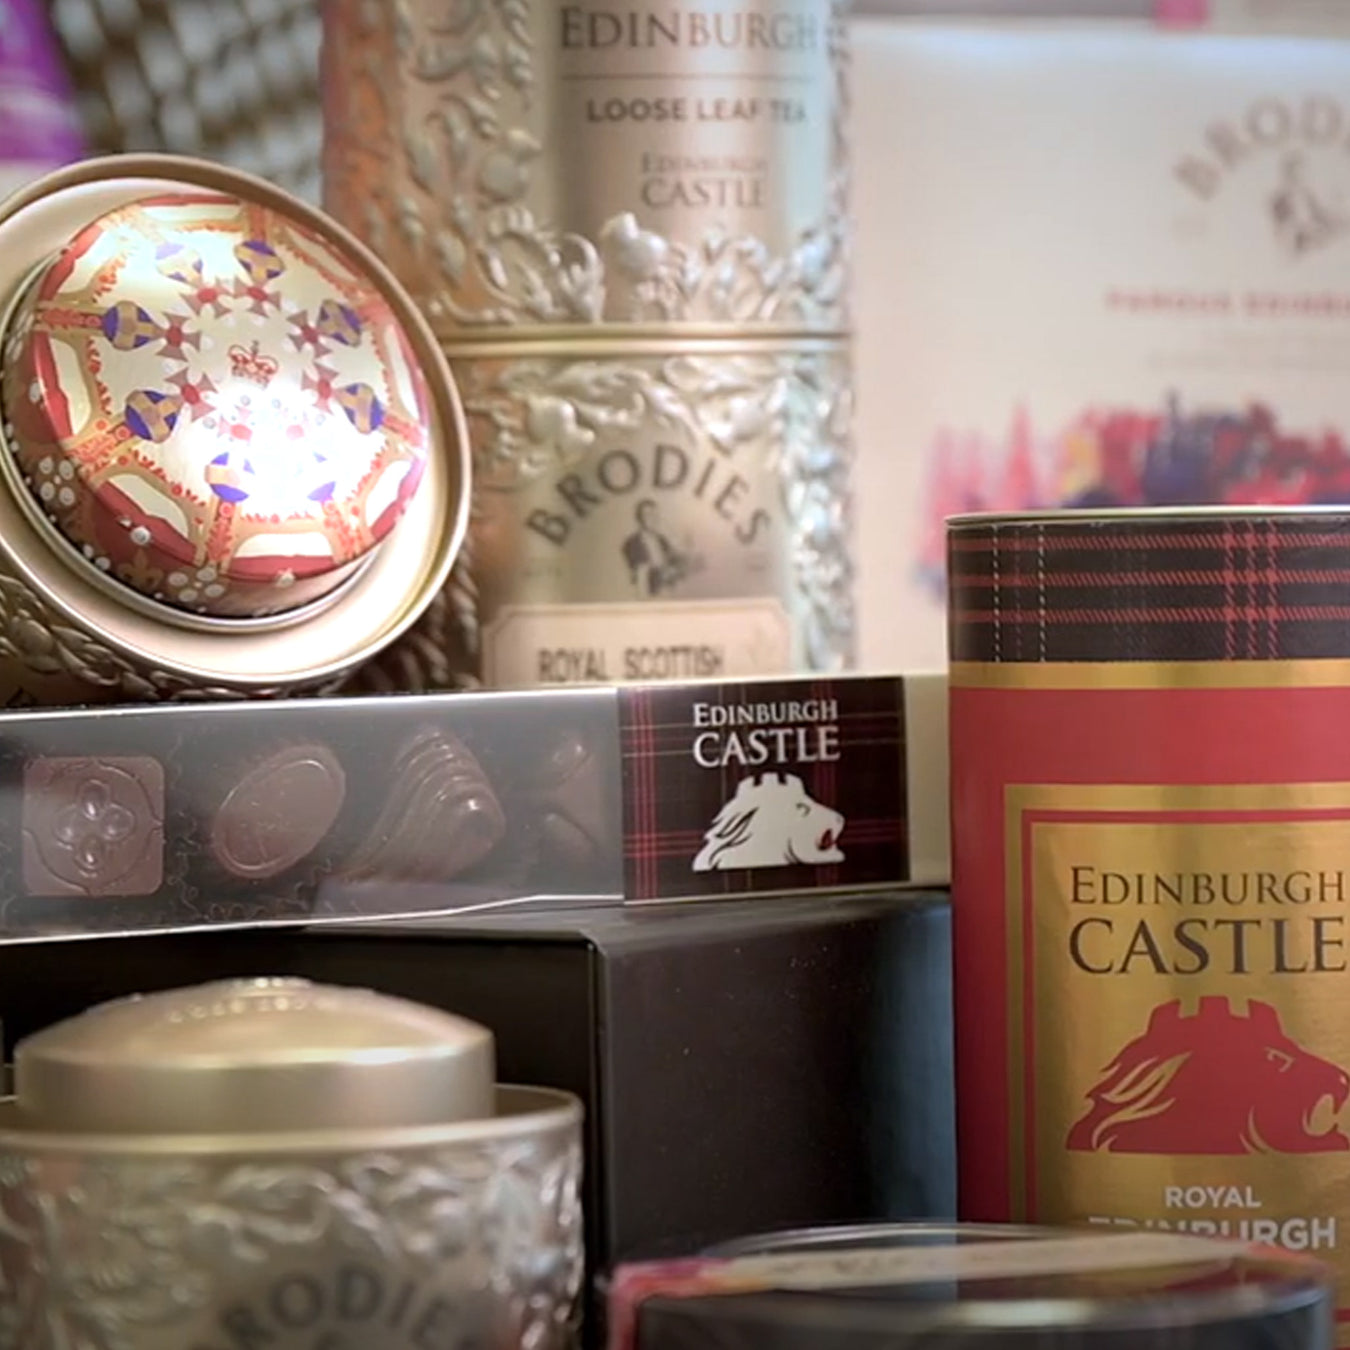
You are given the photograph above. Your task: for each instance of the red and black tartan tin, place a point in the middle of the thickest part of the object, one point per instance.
(1150, 731)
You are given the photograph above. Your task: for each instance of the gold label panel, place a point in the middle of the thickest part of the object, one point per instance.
(1178, 985)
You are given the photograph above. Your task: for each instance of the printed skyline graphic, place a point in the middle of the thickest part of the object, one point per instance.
(1109, 458)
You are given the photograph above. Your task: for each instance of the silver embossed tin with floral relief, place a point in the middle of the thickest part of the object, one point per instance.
(269, 1163)
(528, 162)
(668, 512)
(628, 225)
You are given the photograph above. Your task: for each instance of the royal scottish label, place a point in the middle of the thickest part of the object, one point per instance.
(1151, 969)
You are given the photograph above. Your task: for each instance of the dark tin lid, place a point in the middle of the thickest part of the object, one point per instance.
(945, 1286)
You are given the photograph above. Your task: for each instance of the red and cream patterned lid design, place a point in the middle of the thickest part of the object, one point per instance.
(213, 406)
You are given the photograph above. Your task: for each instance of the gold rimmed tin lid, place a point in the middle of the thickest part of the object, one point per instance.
(252, 1056)
(148, 636)
(212, 404)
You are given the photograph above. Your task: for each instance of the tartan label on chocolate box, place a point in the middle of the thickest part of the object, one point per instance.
(763, 786)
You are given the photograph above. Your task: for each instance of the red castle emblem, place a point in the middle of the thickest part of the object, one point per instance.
(1216, 1083)
(247, 363)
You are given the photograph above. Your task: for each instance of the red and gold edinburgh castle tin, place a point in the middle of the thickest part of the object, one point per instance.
(1150, 721)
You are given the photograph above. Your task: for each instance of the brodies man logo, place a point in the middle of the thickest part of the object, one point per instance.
(1297, 150)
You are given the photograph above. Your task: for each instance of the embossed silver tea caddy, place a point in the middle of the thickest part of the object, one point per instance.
(273, 1163)
(629, 228)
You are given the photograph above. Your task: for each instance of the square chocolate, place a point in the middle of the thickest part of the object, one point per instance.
(93, 826)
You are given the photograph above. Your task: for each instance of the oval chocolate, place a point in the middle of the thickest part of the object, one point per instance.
(278, 812)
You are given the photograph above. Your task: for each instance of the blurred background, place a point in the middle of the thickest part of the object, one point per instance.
(1103, 245)
(235, 80)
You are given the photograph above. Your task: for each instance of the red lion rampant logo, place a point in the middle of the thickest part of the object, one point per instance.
(1214, 1082)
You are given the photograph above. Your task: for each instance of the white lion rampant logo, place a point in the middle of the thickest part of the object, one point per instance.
(772, 821)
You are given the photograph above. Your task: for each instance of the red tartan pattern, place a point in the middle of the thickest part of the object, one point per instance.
(1151, 587)
(670, 800)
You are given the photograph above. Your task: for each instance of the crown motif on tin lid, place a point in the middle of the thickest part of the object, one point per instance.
(248, 363)
(213, 405)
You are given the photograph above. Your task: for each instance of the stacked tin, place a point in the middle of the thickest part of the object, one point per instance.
(269, 1162)
(628, 228)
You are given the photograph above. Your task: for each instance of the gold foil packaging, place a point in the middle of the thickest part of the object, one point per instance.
(628, 228)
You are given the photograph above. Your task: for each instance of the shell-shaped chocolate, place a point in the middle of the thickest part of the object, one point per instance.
(441, 816)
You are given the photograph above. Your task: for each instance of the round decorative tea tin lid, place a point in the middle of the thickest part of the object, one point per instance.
(253, 1056)
(236, 461)
(936, 1286)
(213, 405)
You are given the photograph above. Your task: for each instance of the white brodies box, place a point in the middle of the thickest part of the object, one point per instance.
(1098, 263)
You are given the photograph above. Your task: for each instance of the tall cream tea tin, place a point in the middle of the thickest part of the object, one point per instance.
(628, 227)
(1123, 278)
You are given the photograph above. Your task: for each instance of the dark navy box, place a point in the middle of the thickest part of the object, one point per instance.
(744, 1066)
